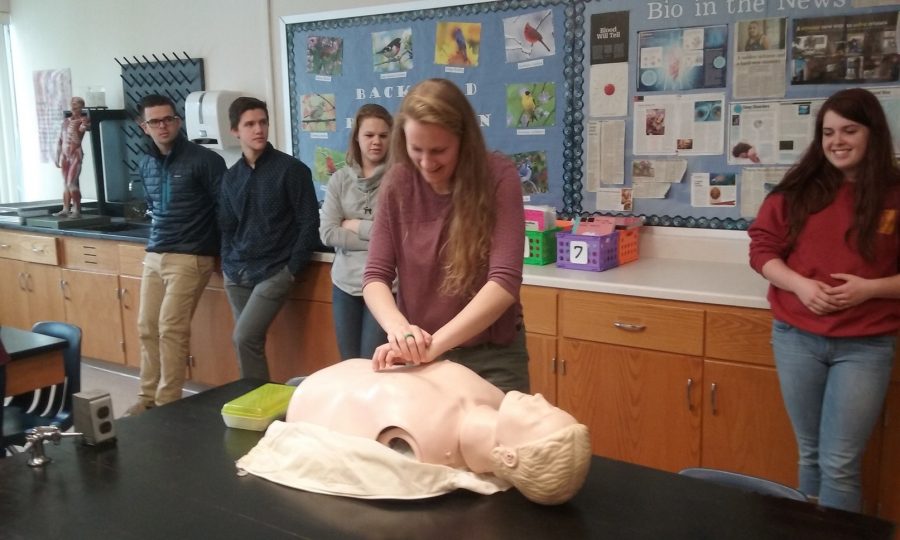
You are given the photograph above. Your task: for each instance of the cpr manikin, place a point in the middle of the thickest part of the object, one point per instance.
(444, 414)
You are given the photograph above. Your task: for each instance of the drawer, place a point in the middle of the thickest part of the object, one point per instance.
(90, 254)
(29, 247)
(739, 334)
(314, 283)
(632, 322)
(131, 259)
(539, 308)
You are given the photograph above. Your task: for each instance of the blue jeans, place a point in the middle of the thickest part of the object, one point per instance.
(358, 333)
(833, 390)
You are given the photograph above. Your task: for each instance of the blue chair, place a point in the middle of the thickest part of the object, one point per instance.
(52, 405)
(744, 482)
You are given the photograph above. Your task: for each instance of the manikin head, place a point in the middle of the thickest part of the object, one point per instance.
(76, 105)
(541, 450)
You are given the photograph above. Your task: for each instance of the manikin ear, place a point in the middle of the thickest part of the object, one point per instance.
(507, 456)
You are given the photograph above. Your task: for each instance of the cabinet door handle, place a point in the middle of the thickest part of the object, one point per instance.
(553, 365)
(37, 248)
(5, 246)
(64, 287)
(690, 384)
(123, 296)
(20, 279)
(29, 282)
(562, 366)
(628, 327)
(713, 398)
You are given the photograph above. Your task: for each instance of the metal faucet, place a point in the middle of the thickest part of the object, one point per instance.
(35, 438)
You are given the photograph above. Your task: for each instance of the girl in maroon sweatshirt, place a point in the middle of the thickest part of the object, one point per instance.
(827, 240)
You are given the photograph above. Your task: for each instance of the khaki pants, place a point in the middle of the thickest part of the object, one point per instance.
(171, 286)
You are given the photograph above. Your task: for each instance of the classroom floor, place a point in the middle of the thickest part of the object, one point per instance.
(121, 382)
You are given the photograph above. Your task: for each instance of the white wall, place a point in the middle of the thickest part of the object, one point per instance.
(232, 36)
(239, 40)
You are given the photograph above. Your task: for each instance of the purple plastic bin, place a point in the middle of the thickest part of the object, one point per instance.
(602, 251)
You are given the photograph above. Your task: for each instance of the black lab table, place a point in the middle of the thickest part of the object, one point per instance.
(172, 475)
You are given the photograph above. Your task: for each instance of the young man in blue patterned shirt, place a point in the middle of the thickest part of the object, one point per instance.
(269, 219)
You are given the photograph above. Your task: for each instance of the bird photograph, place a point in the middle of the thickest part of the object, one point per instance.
(532, 169)
(327, 161)
(531, 105)
(392, 51)
(318, 112)
(324, 55)
(529, 36)
(457, 44)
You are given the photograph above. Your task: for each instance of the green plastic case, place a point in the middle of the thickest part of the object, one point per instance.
(258, 408)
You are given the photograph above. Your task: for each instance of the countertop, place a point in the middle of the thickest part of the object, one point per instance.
(708, 282)
(689, 280)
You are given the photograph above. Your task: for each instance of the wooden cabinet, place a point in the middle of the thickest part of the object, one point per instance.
(14, 304)
(889, 473)
(90, 284)
(98, 289)
(542, 365)
(640, 406)
(31, 293)
(675, 384)
(130, 307)
(29, 280)
(92, 303)
(745, 426)
(212, 359)
(630, 369)
(131, 267)
(539, 311)
(302, 339)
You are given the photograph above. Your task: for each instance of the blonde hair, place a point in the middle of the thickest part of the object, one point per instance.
(550, 470)
(471, 221)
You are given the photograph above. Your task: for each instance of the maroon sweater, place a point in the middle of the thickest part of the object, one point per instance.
(408, 235)
(821, 250)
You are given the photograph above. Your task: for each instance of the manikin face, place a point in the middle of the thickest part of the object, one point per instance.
(525, 418)
(434, 150)
(167, 127)
(253, 131)
(844, 143)
(373, 140)
(75, 106)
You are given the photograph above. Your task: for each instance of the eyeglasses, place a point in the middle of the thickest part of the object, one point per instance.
(157, 122)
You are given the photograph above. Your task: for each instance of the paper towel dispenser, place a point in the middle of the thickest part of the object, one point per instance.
(206, 118)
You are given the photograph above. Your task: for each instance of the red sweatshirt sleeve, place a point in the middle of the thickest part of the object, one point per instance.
(769, 232)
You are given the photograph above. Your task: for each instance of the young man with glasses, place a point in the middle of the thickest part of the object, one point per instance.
(181, 180)
(269, 217)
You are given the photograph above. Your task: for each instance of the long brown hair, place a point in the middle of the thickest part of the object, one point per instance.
(369, 110)
(813, 182)
(471, 221)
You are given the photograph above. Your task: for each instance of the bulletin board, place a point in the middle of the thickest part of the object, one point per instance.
(585, 96)
(509, 58)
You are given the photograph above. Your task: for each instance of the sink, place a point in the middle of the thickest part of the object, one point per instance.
(138, 230)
